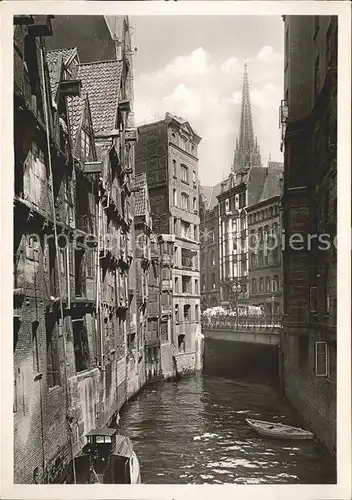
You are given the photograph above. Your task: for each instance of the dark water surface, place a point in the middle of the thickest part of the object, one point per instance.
(194, 431)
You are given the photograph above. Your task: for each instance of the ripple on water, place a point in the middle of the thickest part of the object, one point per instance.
(192, 431)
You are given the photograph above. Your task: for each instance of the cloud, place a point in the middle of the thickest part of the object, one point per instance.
(196, 63)
(231, 66)
(207, 92)
(268, 97)
(267, 54)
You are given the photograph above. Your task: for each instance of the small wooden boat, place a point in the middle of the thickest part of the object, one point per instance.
(278, 431)
(107, 458)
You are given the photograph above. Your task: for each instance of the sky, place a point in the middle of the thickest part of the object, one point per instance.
(192, 66)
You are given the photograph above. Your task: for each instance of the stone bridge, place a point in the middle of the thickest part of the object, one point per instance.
(245, 348)
(256, 329)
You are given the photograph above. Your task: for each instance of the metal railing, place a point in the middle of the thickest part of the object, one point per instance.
(257, 323)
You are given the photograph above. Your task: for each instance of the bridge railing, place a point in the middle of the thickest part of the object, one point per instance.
(255, 323)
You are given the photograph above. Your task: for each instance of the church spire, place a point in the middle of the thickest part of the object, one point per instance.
(247, 151)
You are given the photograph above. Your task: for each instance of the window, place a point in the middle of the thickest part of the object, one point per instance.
(211, 235)
(194, 204)
(175, 227)
(196, 233)
(184, 201)
(253, 259)
(186, 284)
(326, 291)
(187, 312)
(196, 287)
(254, 286)
(276, 284)
(85, 145)
(177, 318)
(176, 286)
(260, 234)
(80, 340)
(321, 359)
(185, 229)
(275, 256)
(184, 174)
(79, 273)
(261, 285)
(187, 258)
(313, 299)
(32, 248)
(267, 284)
(316, 78)
(266, 258)
(175, 197)
(194, 179)
(197, 312)
(174, 170)
(181, 343)
(175, 256)
(260, 258)
(52, 351)
(212, 258)
(213, 280)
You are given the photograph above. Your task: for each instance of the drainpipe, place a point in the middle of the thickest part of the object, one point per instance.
(61, 333)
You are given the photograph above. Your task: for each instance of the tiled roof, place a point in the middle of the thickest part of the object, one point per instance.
(75, 107)
(54, 60)
(212, 196)
(101, 80)
(140, 196)
(66, 53)
(272, 182)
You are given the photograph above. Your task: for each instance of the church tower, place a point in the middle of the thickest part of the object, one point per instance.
(247, 152)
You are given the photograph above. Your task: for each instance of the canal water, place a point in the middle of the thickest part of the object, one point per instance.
(194, 431)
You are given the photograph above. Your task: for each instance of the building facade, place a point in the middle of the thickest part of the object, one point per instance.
(265, 245)
(209, 247)
(167, 153)
(309, 121)
(74, 275)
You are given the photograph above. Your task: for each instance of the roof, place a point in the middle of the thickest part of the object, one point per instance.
(101, 80)
(255, 184)
(102, 431)
(211, 193)
(75, 107)
(180, 121)
(54, 59)
(272, 182)
(140, 196)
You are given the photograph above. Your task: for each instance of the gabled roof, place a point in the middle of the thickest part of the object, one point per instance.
(255, 184)
(54, 61)
(272, 182)
(182, 122)
(102, 80)
(141, 202)
(75, 107)
(211, 193)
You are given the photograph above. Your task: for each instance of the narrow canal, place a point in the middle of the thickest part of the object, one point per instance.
(194, 431)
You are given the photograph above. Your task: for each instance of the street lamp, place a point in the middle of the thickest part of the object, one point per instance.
(236, 290)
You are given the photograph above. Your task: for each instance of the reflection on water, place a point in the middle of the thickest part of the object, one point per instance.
(194, 431)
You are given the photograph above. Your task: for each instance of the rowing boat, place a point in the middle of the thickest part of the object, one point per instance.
(279, 431)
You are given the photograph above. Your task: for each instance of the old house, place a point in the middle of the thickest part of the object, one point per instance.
(167, 152)
(309, 201)
(77, 355)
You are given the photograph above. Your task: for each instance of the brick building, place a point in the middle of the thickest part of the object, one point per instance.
(209, 249)
(167, 153)
(74, 276)
(265, 235)
(309, 120)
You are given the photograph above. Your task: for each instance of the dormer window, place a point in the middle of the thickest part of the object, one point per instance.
(85, 145)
